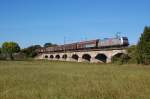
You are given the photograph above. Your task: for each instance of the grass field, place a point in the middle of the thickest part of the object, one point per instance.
(67, 80)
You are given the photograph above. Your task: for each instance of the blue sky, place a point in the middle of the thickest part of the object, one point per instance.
(30, 22)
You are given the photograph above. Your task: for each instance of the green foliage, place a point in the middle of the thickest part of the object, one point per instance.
(8, 48)
(143, 47)
(19, 56)
(49, 45)
(31, 51)
(120, 59)
(0, 50)
(2, 57)
(132, 53)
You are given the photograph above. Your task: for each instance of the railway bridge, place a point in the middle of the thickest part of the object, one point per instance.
(92, 56)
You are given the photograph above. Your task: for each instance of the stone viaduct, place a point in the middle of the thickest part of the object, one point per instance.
(101, 56)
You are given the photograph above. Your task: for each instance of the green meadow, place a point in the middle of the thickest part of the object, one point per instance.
(69, 80)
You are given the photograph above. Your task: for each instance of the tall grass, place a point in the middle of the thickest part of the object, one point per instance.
(68, 80)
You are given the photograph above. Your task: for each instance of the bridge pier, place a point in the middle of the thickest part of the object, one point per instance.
(108, 60)
(67, 59)
(80, 59)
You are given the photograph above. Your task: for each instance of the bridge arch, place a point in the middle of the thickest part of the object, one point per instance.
(46, 56)
(64, 56)
(57, 56)
(118, 52)
(51, 57)
(75, 57)
(86, 57)
(101, 58)
(120, 57)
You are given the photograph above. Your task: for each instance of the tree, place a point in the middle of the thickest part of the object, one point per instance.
(2, 56)
(120, 59)
(31, 50)
(132, 53)
(143, 47)
(8, 48)
(49, 44)
(0, 50)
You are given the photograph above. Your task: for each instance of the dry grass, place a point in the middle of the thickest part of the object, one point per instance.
(67, 80)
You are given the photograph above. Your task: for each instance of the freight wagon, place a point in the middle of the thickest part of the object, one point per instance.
(69, 47)
(87, 44)
(92, 44)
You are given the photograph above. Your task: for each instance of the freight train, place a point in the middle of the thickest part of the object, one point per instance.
(91, 44)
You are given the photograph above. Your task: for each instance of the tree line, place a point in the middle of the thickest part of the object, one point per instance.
(12, 51)
(139, 53)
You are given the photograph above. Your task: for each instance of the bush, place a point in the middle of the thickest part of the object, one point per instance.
(121, 59)
(2, 57)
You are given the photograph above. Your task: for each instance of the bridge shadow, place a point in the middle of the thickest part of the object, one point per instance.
(102, 58)
(86, 58)
(64, 56)
(120, 58)
(51, 57)
(46, 56)
(57, 56)
(75, 57)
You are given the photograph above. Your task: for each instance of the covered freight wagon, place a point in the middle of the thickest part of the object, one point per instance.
(40, 50)
(87, 44)
(49, 49)
(72, 46)
(58, 48)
